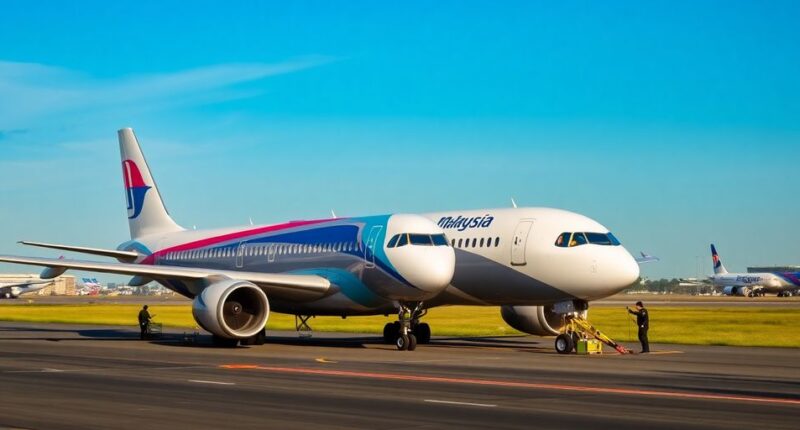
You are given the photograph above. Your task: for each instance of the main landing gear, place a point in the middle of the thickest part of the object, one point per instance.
(408, 331)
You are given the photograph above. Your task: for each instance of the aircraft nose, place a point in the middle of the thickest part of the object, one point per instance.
(626, 269)
(430, 268)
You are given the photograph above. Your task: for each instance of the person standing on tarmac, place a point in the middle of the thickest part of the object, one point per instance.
(643, 322)
(144, 321)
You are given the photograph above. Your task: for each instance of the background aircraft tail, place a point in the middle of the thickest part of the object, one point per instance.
(146, 212)
(719, 269)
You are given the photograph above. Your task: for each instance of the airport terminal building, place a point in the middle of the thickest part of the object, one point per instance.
(64, 285)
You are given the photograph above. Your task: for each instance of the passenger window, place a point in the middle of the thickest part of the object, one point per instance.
(459, 242)
(563, 240)
(393, 241)
(403, 241)
(496, 242)
(577, 239)
(474, 242)
(453, 243)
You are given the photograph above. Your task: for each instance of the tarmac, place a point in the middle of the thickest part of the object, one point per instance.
(81, 377)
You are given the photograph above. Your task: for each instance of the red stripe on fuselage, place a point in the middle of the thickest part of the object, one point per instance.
(233, 236)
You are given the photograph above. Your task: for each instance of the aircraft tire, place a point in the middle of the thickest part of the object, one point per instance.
(423, 333)
(401, 342)
(412, 342)
(390, 331)
(564, 344)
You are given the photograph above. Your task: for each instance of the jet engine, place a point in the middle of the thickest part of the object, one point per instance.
(538, 320)
(736, 291)
(231, 309)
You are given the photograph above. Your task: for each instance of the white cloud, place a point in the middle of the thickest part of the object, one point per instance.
(32, 92)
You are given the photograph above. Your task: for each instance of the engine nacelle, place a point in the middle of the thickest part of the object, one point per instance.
(231, 309)
(538, 320)
(736, 291)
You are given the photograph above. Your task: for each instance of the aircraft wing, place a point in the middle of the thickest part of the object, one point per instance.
(279, 284)
(127, 256)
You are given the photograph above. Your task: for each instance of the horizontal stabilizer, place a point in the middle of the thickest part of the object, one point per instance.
(127, 256)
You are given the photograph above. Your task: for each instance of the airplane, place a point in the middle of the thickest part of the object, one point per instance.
(533, 262)
(751, 284)
(12, 290)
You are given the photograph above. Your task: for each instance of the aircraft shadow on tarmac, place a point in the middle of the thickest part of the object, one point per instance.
(521, 343)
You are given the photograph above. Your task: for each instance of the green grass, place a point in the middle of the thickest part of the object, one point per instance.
(736, 326)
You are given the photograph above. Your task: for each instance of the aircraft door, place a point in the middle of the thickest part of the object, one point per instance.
(519, 242)
(271, 253)
(369, 249)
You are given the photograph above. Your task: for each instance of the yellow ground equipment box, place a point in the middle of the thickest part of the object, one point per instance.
(589, 346)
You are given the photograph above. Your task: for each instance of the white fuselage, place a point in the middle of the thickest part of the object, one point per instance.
(509, 256)
(764, 281)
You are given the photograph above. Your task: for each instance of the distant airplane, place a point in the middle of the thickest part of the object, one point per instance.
(12, 290)
(751, 284)
(646, 258)
(530, 261)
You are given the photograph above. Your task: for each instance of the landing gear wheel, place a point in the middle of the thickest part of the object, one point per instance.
(402, 342)
(412, 342)
(390, 331)
(224, 342)
(564, 344)
(258, 339)
(423, 333)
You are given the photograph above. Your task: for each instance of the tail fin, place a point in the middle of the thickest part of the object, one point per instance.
(719, 269)
(146, 212)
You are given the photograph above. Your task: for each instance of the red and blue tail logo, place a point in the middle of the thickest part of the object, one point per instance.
(715, 257)
(135, 188)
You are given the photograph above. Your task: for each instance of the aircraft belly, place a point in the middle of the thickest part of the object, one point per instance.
(489, 282)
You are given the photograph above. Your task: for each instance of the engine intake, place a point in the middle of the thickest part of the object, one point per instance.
(538, 320)
(232, 309)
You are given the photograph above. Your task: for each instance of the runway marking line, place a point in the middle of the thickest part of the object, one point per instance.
(513, 384)
(201, 381)
(451, 402)
(324, 360)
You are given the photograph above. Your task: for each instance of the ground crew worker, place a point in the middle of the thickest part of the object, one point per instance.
(643, 322)
(144, 321)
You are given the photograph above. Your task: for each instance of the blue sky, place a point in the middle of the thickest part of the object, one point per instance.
(675, 124)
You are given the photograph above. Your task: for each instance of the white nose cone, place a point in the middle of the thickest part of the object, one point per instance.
(626, 270)
(427, 267)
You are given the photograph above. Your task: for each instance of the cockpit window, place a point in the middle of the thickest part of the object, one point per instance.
(578, 239)
(439, 240)
(403, 241)
(598, 238)
(563, 240)
(419, 239)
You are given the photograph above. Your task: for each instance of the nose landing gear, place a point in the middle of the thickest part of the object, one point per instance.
(407, 332)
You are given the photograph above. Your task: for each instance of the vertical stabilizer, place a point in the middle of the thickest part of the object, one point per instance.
(719, 269)
(146, 212)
